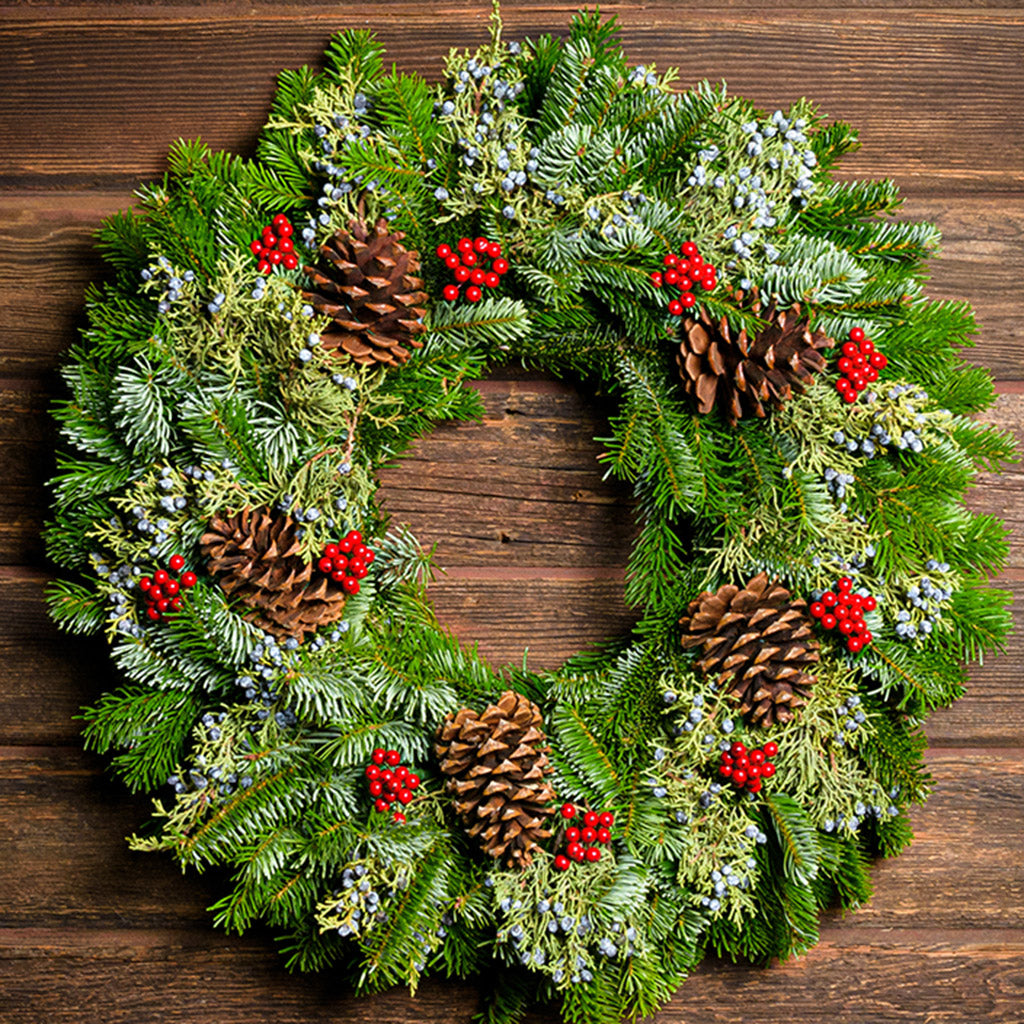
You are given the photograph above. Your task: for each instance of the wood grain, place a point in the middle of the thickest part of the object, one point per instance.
(532, 537)
(91, 71)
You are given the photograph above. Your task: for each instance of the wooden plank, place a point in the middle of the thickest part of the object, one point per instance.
(897, 79)
(46, 242)
(65, 823)
(894, 977)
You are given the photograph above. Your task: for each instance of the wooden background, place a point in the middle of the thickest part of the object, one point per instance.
(90, 96)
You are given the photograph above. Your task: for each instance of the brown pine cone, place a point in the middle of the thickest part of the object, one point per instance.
(367, 282)
(497, 765)
(758, 643)
(744, 375)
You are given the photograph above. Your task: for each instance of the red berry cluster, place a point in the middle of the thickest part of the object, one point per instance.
(685, 272)
(163, 591)
(389, 780)
(746, 769)
(844, 610)
(859, 365)
(347, 562)
(582, 843)
(275, 246)
(467, 260)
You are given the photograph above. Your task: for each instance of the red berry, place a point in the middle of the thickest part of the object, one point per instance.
(269, 238)
(473, 294)
(657, 279)
(290, 261)
(444, 251)
(376, 787)
(279, 219)
(339, 575)
(708, 282)
(451, 292)
(725, 770)
(381, 804)
(161, 577)
(857, 334)
(757, 756)
(188, 579)
(854, 644)
(325, 565)
(845, 365)
(675, 307)
(372, 772)
(850, 350)
(572, 835)
(737, 748)
(286, 245)
(481, 245)
(845, 626)
(492, 280)
(603, 835)
(393, 757)
(575, 850)
(754, 772)
(462, 274)
(670, 260)
(829, 599)
(387, 775)
(671, 276)
(453, 261)
(500, 267)
(346, 546)
(859, 361)
(176, 604)
(412, 781)
(469, 259)
(263, 267)
(754, 785)
(878, 361)
(398, 817)
(866, 637)
(870, 604)
(285, 230)
(275, 257)
(588, 835)
(850, 397)
(163, 604)
(176, 562)
(368, 557)
(401, 772)
(767, 770)
(771, 748)
(477, 276)
(689, 249)
(590, 819)
(684, 283)
(726, 757)
(817, 609)
(607, 819)
(696, 260)
(568, 811)
(155, 593)
(170, 588)
(152, 612)
(256, 247)
(562, 862)
(843, 386)
(593, 854)
(404, 796)
(465, 244)
(687, 299)
(828, 621)
(377, 757)
(871, 375)
(145, 583)
(867, 346)
(739, 777)
(845, 585)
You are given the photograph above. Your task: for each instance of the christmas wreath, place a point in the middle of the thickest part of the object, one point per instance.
(792, 414)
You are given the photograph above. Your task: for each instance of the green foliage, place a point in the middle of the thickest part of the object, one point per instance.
(201, 387)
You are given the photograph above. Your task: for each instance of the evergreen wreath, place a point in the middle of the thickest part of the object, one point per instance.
(793, 417)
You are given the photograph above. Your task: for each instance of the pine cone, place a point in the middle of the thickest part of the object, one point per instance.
(257, 559)
(496, 765)
(366, 282)
(742, 375)
(758, 642)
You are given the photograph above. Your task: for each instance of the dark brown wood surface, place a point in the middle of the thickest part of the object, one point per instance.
(90, 95)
